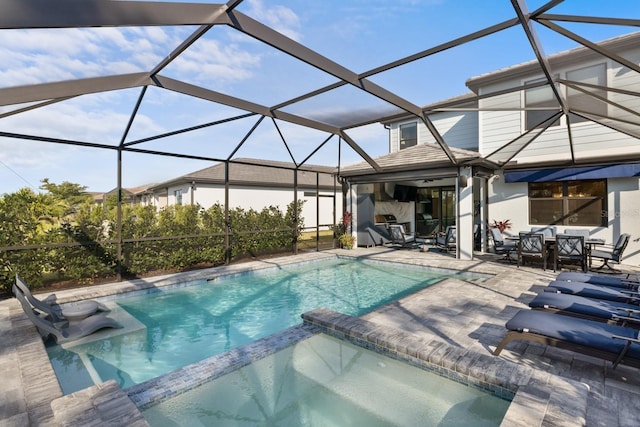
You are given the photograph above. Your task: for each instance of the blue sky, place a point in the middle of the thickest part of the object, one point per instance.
(358, 34)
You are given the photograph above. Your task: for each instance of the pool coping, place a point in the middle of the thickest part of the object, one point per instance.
(538, 398)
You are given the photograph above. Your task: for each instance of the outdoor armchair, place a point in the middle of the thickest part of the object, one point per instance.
(613, 254)
(447, 240)
(569, 248)
(399, 237)
(500, 247)
(532, 245)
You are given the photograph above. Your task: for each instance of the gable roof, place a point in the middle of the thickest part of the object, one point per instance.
(257, 173)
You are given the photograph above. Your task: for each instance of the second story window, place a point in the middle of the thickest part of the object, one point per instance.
(178, 195)
(540, 104)
(581, 101)
(408, 135)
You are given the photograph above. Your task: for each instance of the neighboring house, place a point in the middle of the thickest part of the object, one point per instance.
(256, 184)
(546, 168)
(130, 196)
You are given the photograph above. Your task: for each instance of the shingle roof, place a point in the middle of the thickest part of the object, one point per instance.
(256, 172)
(422, 156)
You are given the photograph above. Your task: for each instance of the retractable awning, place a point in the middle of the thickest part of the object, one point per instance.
(574, 173)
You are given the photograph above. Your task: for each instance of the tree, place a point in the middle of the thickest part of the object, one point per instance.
(65, 199)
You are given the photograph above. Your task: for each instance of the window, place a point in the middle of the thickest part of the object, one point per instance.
(178, 195)
(595, 75)
(568, 203)
(408, 135)
(540, 103)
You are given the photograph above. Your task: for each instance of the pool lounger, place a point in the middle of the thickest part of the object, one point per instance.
(593, 291)
(617, 344)
(599, 310)
(63, 331)
(628, 282)
(72, 311)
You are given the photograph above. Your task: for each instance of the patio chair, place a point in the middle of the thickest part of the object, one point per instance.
(577, 232)
(500, 247)
(616, 313)
(72, 311)
(399, 237)
(63, 332)
(614, 253)
(549, 231)
(600, 279)
(532, 245)
(569, 248)
(593, 291)
(615, 343)
(447, 240)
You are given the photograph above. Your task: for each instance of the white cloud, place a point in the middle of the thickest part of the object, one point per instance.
(280, 18)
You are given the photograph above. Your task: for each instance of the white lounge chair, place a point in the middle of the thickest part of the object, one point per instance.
(72, 311)
(63, 331)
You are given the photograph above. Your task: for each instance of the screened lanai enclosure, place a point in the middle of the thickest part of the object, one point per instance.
(122, 94)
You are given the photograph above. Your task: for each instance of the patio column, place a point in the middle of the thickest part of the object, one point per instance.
(464, 213)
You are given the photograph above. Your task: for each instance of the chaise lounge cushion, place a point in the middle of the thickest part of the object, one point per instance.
(590, 291)
(596, 279)
(576, 331)
(584, 307)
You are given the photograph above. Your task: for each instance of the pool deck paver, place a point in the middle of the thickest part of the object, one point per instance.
(454, 323)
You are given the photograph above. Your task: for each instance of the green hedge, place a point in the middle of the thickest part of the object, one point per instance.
(174, 238)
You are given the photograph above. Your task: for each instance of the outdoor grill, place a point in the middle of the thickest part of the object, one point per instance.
(386, 219)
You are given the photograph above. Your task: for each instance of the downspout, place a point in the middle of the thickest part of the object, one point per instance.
(193, 190)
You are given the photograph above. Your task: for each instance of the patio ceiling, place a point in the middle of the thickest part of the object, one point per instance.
(363, 97)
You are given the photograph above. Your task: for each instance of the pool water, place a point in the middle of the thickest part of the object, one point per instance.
(324, 381)
(184, 325)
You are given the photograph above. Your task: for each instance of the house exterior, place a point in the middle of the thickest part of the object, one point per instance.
(256, 184)
(575, 165)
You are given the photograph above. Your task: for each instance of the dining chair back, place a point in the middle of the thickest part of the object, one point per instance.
(532, 245)
(570, 248)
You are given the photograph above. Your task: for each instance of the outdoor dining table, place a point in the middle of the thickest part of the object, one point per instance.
(549, 242)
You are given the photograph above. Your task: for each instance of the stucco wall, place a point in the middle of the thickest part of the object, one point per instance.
(510, 201)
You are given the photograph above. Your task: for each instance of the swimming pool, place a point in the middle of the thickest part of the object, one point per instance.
(324, 381)
(168, 329)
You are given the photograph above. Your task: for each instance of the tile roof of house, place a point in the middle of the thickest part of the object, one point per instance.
(257, 172)
(421, 156)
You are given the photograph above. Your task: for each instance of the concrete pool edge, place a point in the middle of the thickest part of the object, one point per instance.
(540, 398)
(154, 391)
